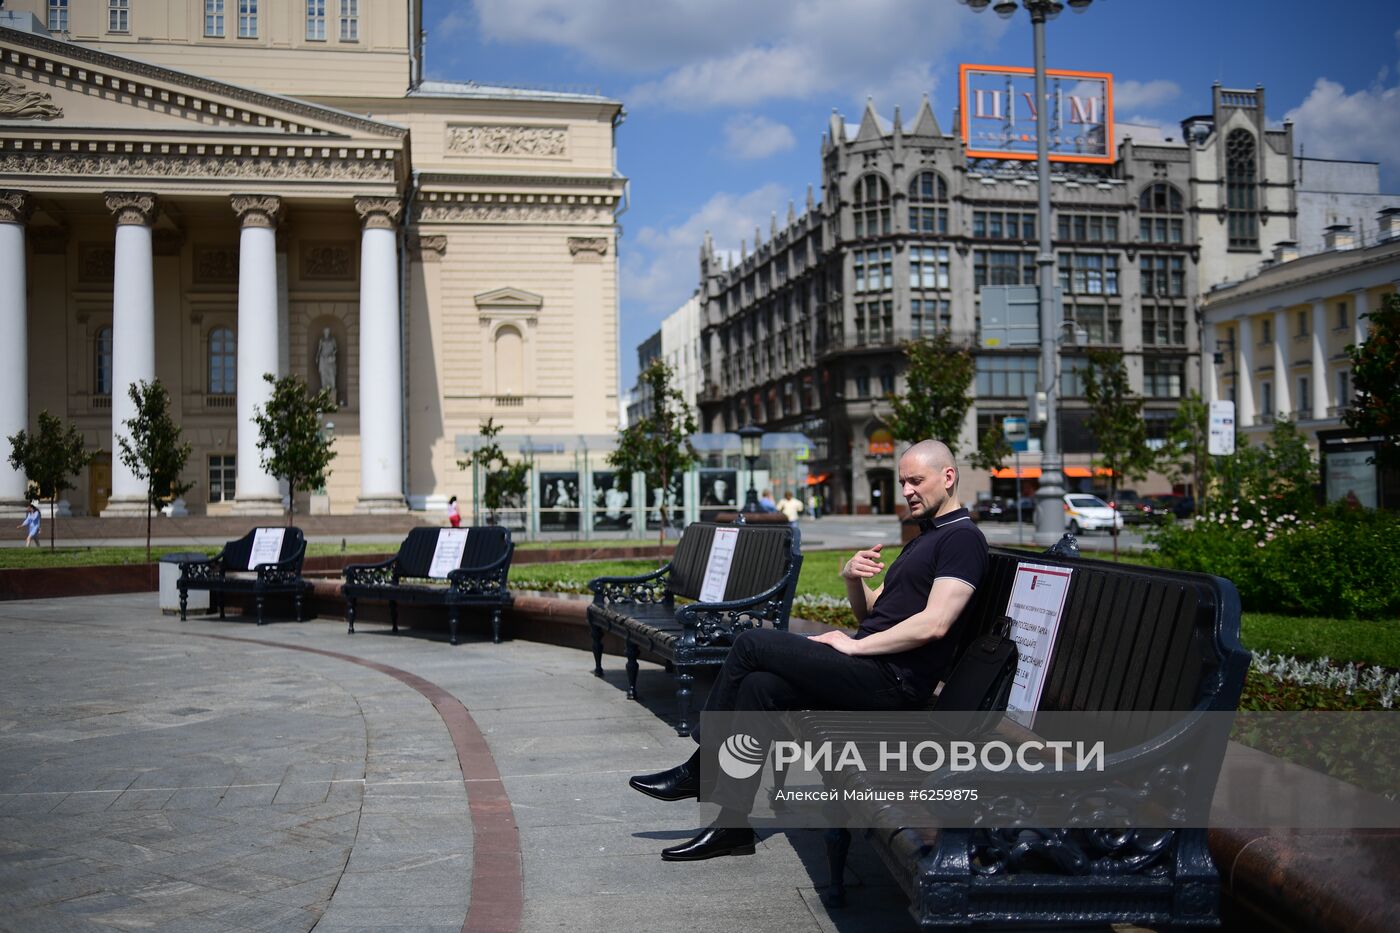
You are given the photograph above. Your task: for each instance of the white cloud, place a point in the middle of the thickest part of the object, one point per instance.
(456, 23)
(661, 267)
(753, 136)
(1333, 124)
(1144, 95)
(689, 56)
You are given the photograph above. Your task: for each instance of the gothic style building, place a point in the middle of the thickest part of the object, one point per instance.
(804, 332)
(204, 192)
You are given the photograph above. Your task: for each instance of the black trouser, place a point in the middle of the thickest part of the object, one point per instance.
(769, 670)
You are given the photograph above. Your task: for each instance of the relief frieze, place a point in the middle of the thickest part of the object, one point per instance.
(500, 140)
(327, 261)
(18, 104)
(235, 167)
(97, 262)
(215, 265)
(476, 212)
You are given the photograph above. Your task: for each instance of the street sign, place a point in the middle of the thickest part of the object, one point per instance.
(1017, 433)
(1222, 428)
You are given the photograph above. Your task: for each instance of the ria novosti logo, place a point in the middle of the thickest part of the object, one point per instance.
(741, 756)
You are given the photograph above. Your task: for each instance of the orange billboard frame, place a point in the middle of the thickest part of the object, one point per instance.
(1106, 77)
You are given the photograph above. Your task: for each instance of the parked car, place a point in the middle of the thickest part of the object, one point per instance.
(987, 510)
(1163, 506)
(1129, 505)
(1084, 512)
(1024, 505)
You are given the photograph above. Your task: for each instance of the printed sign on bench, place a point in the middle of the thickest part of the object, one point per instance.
(447, 556)
(717, 566)
(1036, 604)
(267, 546)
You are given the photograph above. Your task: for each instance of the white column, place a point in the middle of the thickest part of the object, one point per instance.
(1360, 325)
(381, 369)
(257, 492)
(1283, 390)
(14, 336)
(133, 334)
(1318, 402)
(1244, 378)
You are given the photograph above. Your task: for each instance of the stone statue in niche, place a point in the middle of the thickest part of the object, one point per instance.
(325, 361)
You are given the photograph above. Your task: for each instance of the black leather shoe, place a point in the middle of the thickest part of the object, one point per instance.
(678, 783)
(712, 843)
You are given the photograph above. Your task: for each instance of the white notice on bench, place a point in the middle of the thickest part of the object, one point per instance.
(447, 556)
(717, 567)
(1037, 601)
(267, 546)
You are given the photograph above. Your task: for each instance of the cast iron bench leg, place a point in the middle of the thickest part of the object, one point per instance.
(394, 615)
(350, 615)
(683, 681)
(221, 606)
(496, 626)
(452, 624)
(597, 634)
(184, 598)
(298, 599)
(260, 609)
(632, 670)
(838, 845)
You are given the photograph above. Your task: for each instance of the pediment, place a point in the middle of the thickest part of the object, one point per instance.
(509, 299)
(48, 84)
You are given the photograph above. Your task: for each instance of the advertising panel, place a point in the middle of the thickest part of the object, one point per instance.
(999, 113)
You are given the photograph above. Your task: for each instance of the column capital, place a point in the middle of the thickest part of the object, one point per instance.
(427, 247)
(588, 244)
(15, 206)
(256, 210)
(133, 207)
(379, 213)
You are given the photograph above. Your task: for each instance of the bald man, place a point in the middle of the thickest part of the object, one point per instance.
(909, 628)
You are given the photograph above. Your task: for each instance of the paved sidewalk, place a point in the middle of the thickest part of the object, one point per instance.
(154, 778)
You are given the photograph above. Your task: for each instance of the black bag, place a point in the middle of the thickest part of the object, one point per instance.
(980, 684)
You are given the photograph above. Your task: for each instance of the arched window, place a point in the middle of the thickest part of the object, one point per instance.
(928, 197)
(223, 369)
(510, 362)
(1241, 199)
(1160, 215)
(871, 205)
(102, 362)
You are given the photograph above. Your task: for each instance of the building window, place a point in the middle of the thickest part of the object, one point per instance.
(1302, 323)
(222, 478)
(214, 19)
(874, 269)
(926, 191)
(1240, 197)
(247, 19)
(1266, 400)
(223, 370)
(1002, 267)
(927, 316)
(1343, 388)
(1089, 273)
(349, 20)
(118, 15)
(316, 20)
(1003, 225)
(1087, 228)
(871, 206)
(1266, 331)
(1163, 377)
(1343, 318)
(1006, 376)
(58, 15)
(102, 363)
(862, 383)
(1163, 325)
(1101, 323)
(928, 267)
(1071, 383)
(1162, 276)
(1303, 404)
(1160, 215)
(510, 362)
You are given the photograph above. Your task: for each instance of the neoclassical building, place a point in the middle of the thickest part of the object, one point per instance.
(205, 192)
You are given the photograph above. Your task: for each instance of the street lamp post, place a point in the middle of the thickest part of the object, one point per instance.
(750, 442)
(1049, 512)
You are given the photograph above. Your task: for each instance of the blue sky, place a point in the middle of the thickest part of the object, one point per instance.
(727, 99)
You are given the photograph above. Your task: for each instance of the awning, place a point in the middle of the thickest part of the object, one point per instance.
(1083, 472)
(1009, 473)
(818, 479)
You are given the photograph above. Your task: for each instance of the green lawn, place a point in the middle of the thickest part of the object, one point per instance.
(13, 558)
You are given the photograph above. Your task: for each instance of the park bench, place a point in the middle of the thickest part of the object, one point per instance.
(453, 567)
(732, 578)
(1130, 638)
(264, 562)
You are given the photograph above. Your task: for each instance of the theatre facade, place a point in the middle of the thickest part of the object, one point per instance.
(203, 201)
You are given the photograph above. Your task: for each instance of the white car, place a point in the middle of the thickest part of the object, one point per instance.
(1084, 512)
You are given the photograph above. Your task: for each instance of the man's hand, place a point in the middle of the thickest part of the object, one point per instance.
(864, 564)
(837, 639)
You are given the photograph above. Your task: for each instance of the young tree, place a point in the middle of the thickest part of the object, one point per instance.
(291, 438)
(506, 481)
(48, 458)
(938, 375)
(1115, 418)
(152, 450)
(1187, 449)
(1375, 375)
(992, 451)
(658, 445)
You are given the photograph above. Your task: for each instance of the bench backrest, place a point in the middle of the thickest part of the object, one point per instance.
(238, 553)
(485, 544)
(1131, 638)
(762, 555)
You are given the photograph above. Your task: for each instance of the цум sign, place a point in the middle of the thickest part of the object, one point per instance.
(999, 113)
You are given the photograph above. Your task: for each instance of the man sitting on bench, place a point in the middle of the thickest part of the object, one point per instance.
(908, 632)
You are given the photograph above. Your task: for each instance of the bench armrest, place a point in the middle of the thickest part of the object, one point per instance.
(380, 574)
(712, 622)
(487, 580)
(211, 569)
(646, 588)
(283, 571)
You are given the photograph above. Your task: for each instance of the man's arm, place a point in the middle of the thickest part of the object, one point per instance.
(946, 601)
(864, 565)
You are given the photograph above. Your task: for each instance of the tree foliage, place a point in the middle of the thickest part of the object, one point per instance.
(1115, 419)
(293, 444)
(938, 376)
(992, 452)
(1375, 374)
(507, 481)
(152, 449)
(657, 445)
(1186, 453)
(48, 458)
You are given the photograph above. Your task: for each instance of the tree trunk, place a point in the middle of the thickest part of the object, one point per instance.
(52, 500)
(1113, 502)
(291, 503)
(148, 527)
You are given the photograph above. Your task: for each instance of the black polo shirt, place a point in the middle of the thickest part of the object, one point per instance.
(949, 546)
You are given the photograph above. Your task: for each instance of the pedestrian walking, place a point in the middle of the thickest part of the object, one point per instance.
(454, 515)
(791, 507)
(30, 524)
